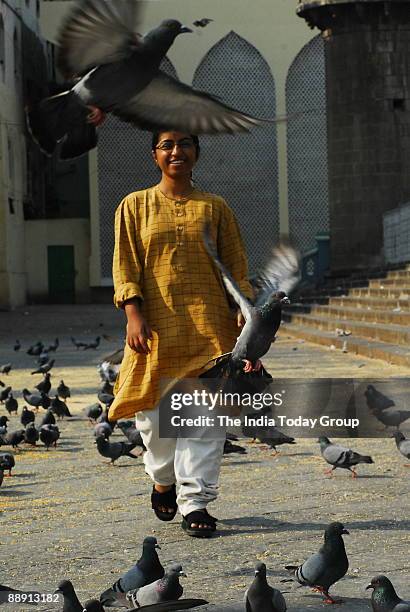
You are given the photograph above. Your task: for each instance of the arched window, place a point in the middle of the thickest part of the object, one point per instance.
(242, 168)
(2, 50)
(124, 165)
(307, 145)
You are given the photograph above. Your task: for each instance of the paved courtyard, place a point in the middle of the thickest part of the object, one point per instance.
(66, 514)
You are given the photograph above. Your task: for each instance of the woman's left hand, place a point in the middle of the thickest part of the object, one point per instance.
(240, 319)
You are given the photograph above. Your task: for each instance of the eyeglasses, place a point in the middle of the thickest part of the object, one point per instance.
(169, 145)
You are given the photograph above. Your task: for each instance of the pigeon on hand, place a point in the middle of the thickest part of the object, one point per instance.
(7, 462)
(147, 569)
(384, 597)
(49, 434)
(376, 401)
(93, 412)
(5, 368)
(115, 450)
(263, 318)
(45, 385)
(327, 566)
(17, 345)
(4, 394)
(27, 416)
(11, 404)
(31, 435)
(71, 601)
(340, 456)
(60, 408)
(63, 391)
(117, 70)
(164, 589)
(403, 445)
(44, 368)
(260, 597)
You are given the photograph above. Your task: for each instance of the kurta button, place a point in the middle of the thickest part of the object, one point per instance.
(179, 228)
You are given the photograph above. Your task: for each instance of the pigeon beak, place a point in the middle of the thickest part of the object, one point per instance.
(57, 591)
(183, 574)
(184, 29)
(345, 532)
(158, 546)
(285, 300)
(369, 586)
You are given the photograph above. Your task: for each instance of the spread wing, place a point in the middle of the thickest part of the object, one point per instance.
(168, 103)
(281, 273)
(97, 32)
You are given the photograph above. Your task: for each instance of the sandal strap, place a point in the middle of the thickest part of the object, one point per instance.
(167, 499)
(201, 516)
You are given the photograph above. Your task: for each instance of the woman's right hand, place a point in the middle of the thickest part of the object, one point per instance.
(138, 333)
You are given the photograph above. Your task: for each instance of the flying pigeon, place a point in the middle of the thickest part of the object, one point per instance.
(164, 589)
(147, 569)
(384, 596)
(43, 358)
(71, 601)
(202, 23)
(7, 462)
(260, 597)
(116, 70)
(44, 368)
(63, 391)
(403, 445)
(5, 368)
(264, 317)
(327, 566)
(341, 457)
(35, 349)
(45, 385)
(115, 450)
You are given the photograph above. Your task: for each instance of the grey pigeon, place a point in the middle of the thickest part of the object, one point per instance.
(260, 597)
(43, 358)
(103, 429)
(17, 345)
(115, 450)
(4, 420)
(107, 387)
(105, 398)
(63, 391)
(230, 448)
(49, 434)
(14, 438)
(376, 400)
(4, 394)
(147, 569)
(36, 400)
(11, 404)
(118, 71)
(78, 344)
(403, 445)
(93, 345)
(48, 419)
(167, 588)
(60, 408)
(202, 23)
(2, 384)
(384, 596)
(6, 590)
(327, 566)
(7, 462)
(3, 430)
(93, 605)
(340, 456)
(45, 385)
(44, 368)
(35, 349)
(31, 435)
(27, 416)
(264, 317)
(392, 417)
(93, 412)
(71, 601)
(132, 434)
(5, 368)
(54, 346)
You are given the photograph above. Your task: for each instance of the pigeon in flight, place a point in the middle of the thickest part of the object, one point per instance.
(117, 71)
(384, 597)
(263, 318)
(403, 445)
(260, 597)
(340, 456)
(327, 566)
(202, 23)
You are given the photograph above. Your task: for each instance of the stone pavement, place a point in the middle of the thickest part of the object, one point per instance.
(66, 514)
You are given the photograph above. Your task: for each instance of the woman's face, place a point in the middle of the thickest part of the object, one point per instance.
(175, 154)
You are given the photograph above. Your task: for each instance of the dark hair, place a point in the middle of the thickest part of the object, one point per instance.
(156, 135)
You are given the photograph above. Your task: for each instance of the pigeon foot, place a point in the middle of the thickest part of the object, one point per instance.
(329, 472)
(97, 116)
(248, 367)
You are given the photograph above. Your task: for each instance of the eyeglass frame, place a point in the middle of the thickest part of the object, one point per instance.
(184, 144)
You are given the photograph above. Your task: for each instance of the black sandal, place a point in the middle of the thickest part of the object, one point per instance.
(199, 517)
(167, 500)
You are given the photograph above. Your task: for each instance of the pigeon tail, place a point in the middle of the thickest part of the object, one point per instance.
(61, 116)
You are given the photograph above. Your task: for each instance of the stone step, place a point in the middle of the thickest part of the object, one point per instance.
(399, 273)
(388, 292)
(391, 353)
(362, 314)
(370, 303)
(394, 334)
(390, 282)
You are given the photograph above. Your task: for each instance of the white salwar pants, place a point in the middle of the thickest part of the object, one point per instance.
(192, 463)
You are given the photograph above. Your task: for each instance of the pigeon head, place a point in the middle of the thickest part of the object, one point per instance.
(399, 436)
(65, 587)
(175, 569)
(260, 569)
(160, 39)
(335, 529)
(323, 441)
(150, 542)
(379, 581)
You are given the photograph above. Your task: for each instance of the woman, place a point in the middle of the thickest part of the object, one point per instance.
(178, 318)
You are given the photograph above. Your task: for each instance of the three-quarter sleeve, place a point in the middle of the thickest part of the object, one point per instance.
(232, 251)
(127, 269)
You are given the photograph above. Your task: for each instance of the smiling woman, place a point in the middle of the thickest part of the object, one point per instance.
(178, 318)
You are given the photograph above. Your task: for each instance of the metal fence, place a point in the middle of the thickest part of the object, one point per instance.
(396, 233)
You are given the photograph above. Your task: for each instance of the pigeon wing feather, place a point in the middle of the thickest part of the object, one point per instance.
(281, 273)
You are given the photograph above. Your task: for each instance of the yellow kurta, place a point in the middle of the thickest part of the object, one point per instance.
(160, 257)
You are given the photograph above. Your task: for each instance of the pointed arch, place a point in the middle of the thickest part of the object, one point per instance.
(307, 144)
(124, 165)
(242, 168)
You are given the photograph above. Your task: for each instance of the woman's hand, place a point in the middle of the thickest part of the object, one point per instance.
(138, 330)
